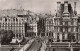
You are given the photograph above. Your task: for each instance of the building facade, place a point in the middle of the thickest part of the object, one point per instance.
(65, 29)
(65, 23)
(79, 28)
(49, 26)
(41, 25)
(13, 23)
(21, 24)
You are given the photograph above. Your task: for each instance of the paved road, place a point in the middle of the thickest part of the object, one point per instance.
(35, 46)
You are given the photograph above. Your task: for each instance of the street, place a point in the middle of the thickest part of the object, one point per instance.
(35, 46)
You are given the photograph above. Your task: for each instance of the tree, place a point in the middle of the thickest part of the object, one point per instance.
(3, 36)
(6, 36)
(9, 36)
(71, 37)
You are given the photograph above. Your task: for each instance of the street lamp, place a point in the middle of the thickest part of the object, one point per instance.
(0, 42)
(71, 48)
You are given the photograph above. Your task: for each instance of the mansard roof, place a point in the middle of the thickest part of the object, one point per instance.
(69, 9)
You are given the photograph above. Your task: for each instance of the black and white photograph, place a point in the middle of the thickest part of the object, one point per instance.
(39, 25)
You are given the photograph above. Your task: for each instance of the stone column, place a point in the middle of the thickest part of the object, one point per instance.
(60, 37)
(21, 35)
(0, 46)
(15, 36)
(0, 43)
(45, 34)
(18, 35)
(40, 34)
(55, 36)
(66, 36)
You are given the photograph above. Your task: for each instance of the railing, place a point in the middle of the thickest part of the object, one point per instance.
(10, 46)
(63, 45)
(66, 25)
(26, 47)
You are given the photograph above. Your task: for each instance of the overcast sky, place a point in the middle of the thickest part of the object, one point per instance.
(35, 5)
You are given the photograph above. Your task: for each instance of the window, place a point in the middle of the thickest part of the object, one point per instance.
(63, 29)
(69, 23)
(8, 27)
(58, 22)
(11, 28)
(63, 23)
(74, 29)
(66, 23)
(69, 29)
(58, 29)
(75, 23)
(55, 23)
(57, 36)
(5, 27)
(63, 35)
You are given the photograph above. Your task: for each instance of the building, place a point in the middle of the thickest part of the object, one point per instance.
(22, 24)
(49, 25)
(30, 24)
(13, 23)
(45, 25)
(79, 28)
(41, 25)
(65, 23)
(65, 29)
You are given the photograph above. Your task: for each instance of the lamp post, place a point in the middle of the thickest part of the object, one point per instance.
(50, 47)
(0, 42)
(71, 48)
(19, 45)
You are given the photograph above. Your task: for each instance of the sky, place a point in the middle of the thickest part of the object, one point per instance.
(37, 6)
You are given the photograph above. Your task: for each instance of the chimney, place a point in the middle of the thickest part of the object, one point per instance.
(66, 7)
(75, 12)
(58, 8)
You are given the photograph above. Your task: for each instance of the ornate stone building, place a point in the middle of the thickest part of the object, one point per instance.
(65, 23)
(65, 29)
(49, 25)
(79, 28)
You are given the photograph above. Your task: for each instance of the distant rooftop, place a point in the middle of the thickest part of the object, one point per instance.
(13, 12)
